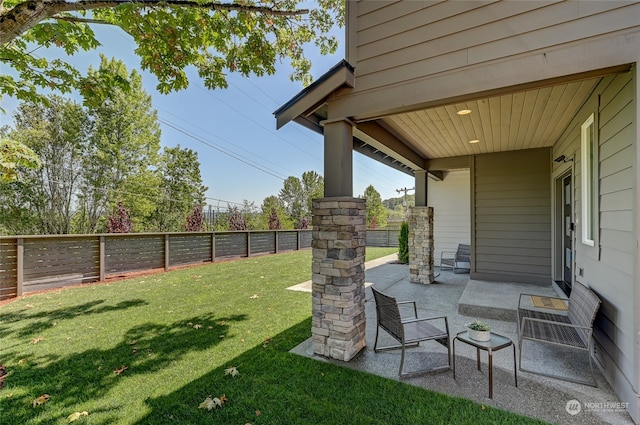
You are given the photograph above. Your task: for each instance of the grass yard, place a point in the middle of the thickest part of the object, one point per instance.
(149, 350)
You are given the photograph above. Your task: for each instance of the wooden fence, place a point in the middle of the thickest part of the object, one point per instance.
(33, 263)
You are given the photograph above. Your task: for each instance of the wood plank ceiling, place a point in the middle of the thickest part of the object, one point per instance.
(523, 120)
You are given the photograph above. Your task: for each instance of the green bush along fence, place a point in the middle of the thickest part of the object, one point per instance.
(34, 263)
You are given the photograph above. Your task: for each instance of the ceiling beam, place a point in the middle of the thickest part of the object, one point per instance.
(381, 139)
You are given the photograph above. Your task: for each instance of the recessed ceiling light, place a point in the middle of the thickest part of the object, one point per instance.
(464, 112)
(474, 141)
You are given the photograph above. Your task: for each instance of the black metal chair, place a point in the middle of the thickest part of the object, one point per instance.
(409, 332)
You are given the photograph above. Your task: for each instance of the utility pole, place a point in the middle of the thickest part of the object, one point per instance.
(404, 202)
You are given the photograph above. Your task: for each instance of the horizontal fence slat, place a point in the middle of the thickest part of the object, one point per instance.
(263, 242)
(287, 241)
(189, 249)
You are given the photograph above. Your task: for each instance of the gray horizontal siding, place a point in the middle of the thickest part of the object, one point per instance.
(399, 42)
(512, 234)
(608, 268)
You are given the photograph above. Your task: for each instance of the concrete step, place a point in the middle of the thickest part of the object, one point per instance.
(497, 300)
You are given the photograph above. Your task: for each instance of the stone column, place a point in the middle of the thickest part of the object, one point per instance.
(421, 244)
(338, 326)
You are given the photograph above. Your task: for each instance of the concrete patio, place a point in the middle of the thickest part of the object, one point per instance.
(462, 300)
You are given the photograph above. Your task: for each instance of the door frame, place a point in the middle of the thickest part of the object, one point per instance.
(558, 223)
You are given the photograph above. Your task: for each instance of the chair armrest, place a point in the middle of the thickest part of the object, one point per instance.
(424, 319)
(415, 308)
(553, 322)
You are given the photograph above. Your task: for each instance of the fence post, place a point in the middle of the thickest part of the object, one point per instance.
(213, 247)
(388, 241)
(277, 232)
(19, 265)
(248, 243)
(298, 240)
(102, 259)
(166, 251)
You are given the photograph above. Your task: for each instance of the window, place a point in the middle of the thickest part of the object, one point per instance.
(588, 171)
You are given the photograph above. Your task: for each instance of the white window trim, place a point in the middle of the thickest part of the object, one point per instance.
(587, 176)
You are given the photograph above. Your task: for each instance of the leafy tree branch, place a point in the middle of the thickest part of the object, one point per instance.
(213, 37)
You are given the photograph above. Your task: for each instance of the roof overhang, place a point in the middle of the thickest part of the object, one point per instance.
(315, 95)
(309, 109)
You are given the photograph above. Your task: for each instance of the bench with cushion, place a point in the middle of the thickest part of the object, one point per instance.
(572, 330)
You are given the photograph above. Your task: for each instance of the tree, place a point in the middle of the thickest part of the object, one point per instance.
(194, 220)
(236, 219)
(124, 148)
(374, 210)
(14, 155)
(272, 208)
(181, 187)
(43, 201)
(274, 220)
(292, 196)
(171, 35)
(403, 243)
(312, 188)
(298, 195)
(119, 221)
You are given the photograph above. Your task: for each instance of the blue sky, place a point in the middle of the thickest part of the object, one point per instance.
(241, 153)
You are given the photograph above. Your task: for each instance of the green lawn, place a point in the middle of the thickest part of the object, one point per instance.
(176, 333)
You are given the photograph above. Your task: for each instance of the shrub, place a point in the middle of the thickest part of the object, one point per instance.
(403, 243)
(119, 221)
(194, 220)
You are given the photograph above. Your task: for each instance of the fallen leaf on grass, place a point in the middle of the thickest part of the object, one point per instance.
(258, 413)
(40, 400)
(210, 403)
(134, 342)
(119, 371)
(254, 296)
(37, 340)
(231, 370)
(3, 374)
(197, 326)
(76, 415)
(22, 361)
(266, 342)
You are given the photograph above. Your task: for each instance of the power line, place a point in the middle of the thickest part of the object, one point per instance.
(224, 140)
(222, 150)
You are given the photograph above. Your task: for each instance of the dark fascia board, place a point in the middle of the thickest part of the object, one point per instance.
(315, 94)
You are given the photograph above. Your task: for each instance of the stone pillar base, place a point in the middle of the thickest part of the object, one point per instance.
(338, 323)
(421, 247)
